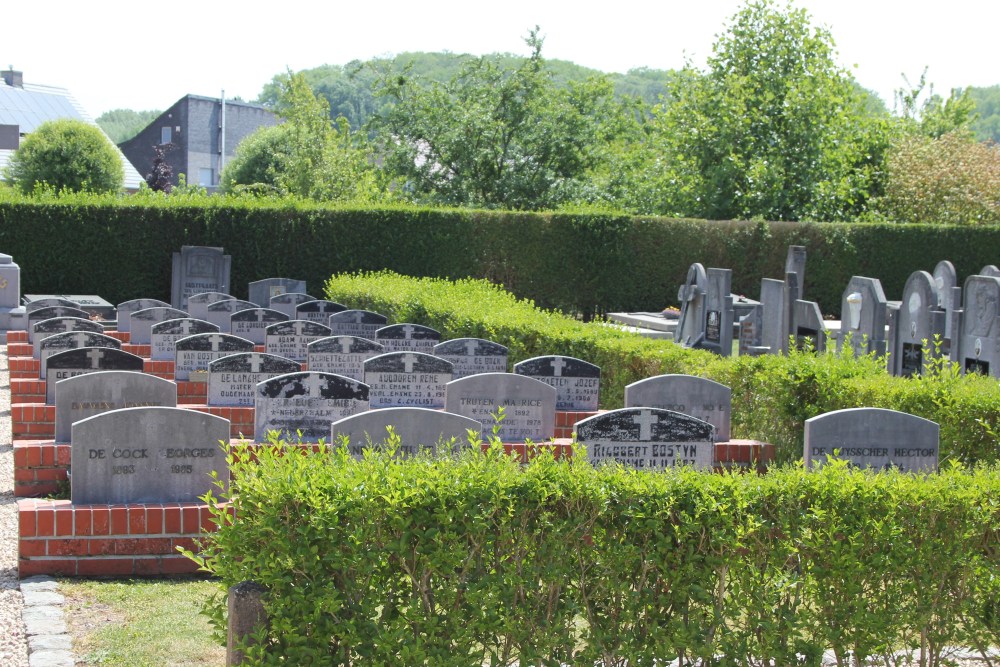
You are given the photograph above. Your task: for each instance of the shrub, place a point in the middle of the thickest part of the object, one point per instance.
(66, 154)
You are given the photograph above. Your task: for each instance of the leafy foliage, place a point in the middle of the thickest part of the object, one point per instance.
(123, 124)
(66, 154)
(159, 179)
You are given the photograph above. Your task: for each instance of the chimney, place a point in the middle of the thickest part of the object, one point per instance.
(13, 78)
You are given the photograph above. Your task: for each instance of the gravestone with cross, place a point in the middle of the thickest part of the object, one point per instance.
(87, 395)
(361, 323)
(291, 339)
(287, 302)
(977, 348)
(473, 355)
(863, 312)
(197, 304)
(233, 379)
(261, 291)
(126, 308)
(71, 340)
(220, 313)
(198, 269)
(35, 304)
(318, 310)
(406, 337)
(407, 380)
(343, 355)
(529, 405)
(52, 312)
(917, 331)
(698, 397)
(872, 438)
(948, 292)
(577, 382)
(252, 323)
(194, 353)
(57, 325)
(648, 439)
(164, 335)
(83, 360)
(418, 429)
(305, 404)
(719, 313)
(143, 321)
(690, 329)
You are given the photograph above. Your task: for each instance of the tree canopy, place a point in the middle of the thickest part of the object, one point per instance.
(66, 154)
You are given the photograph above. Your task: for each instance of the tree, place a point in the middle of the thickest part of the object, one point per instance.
(158, 179)
(123, 124)
(66, 154)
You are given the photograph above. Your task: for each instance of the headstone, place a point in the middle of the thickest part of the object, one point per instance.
(774, 334)
(577, 382)
(918, 329)
(291, 339)
(142, 322)
(360, 323)
(49, 302)
(197, 304)
(407, 380)
(71, 340)
(343, 355)
(751, 331)
(126, 308)
(473, 355)
(408, 338)
(87, 395)
(93, 305)
(529, 405)
(648, 439)
(863, 317)
(810, 331)
(164, 335)
(306, 403)
(286, 303)
(719, 313)
(945, 285)
(872, 437)
(49, 313)
(147, 455)
(318, 310)
(691, 324)
(261, 291)
(990, 271)
(85, 360)
(978, 348)
(795, 262)
(221, 312)
(12, 313)
(252, 323)
(417, 428)
(194, 353)
(233, 380)
(57, 325)
(698, 397)
(198, 269)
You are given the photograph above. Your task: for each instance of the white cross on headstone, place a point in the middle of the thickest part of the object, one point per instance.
(298, 327)
(186, 327)
(359, 317)
(558, 363)
(95, 357)
(79, 339)
(255, 362)
(215, 340)
(345, 344)
(470, 347)
(408, 332)
(645, 419)
(314, 384)
(408, 361)
(260, 314)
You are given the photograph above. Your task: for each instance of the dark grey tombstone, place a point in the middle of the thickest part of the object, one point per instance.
(291, 339)
(52, 312)
(418, 429)
(305, 404)
(94, 305)
(286, 303)
(872, 438)
(164, 335)
(194, 353)
(990, 271)
(774, 334)
(95, 393)
(863, 317)
(252, 323)
(360, 323)
(529, 405)
(197, 304)
(810, 331)
(126, 308)
(690, 331)
(946, 287)
(342, 355)
(143, 321)
(473, 355)
(57, 325)
(648, 439)
(198, 269)
(795, 262)
(719, 313)
(918, 330)
(34, 305)
(71, 340)
(577, 382)
(84, 360)
(751, 330)
(232, 380)
(220, 313)
(261, 291)
(147, 455)
(407, 380)
(408, 337)
(978, 348)
(707, 400)
(318, 310)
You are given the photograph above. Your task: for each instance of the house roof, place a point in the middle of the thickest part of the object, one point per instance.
(31, 105)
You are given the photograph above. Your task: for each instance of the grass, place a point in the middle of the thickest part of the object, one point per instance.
(141, 623)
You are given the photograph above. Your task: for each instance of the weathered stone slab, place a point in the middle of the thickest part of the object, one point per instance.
(795, 262)
(473, 355)
(252, 323)
(194, 353)
(698, 397)
(291, 339)
(774, 320)
(86, 360)
(407, 380)
(648, 439)
(529, 405)
(143, 321)
(810, 331)
(978, 348)
(360, 323)
(286, 303)
(164, 335)
(220, 313)
(51, 312)
(863, 310)
(198, 269)
(126, 308)
(71, 340)
(408, 338)
(197, 304)
(233, 380)
(57, 325)
(418, 429)
(318, 310)
(261, 291)
(342, 355)
(577, 382)
(84, 396)
(872, 437)
(306, 403)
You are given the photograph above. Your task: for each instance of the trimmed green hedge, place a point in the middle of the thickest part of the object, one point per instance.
(475, 559)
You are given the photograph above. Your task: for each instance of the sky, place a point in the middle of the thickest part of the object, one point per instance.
(146, 55)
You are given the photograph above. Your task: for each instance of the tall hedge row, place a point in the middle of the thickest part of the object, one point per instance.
(580, 263)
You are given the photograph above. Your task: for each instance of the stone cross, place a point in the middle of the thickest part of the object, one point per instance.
(215, 341)
(314, 385)
(408, 332)
(95, 357)
(345, 344)
(408, 361)
(470, 347)
(255, 362)
(557, 365)
(645, 420)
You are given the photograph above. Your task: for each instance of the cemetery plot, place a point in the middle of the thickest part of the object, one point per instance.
(577, 382)
(318, 310)
(473, 355)
(408, 338)
(417, 428)
(221, 312)
(84, 396)
(872, 437)
(194, 353)
(164, 335)
(84, 360)
(252, 324)
(305, 404)
(407, 379)
(233, 380)
(286, 303)
(291, 339)
(57, 325)
(261, 291)
(143, 321)
(197, 305)
(704, 399)
(360, 323)
(71, 340)
(198, 269)
(648, 439)
(126, 308)
(529, 405)
(343, 355)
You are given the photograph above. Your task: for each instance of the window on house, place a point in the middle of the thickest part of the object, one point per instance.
(166, 136)
(206, 177)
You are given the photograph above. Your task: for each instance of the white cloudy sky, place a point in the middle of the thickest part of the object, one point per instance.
(145, 55)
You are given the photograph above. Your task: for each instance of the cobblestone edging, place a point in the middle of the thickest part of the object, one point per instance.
(49, 642)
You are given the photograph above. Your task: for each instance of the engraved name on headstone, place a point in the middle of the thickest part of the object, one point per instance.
(648, 439)
(143, 321)
(57, 325)
(198, 269)
(71, 340)
(261, 291)
(577, 382)
(872, 437)
(418, 429)
(343, 355)
(473, 355)
(360, 323)
(86, 360)
(291, 339)
(318, 310)
(88, 395)
(164, 335)
(698, 397)
(232, 380)
(305, 404)
(194, 353)
(407, 337)
(529, 406)
(126, 308)
(407, 379)
(51, 312)
(252, 324)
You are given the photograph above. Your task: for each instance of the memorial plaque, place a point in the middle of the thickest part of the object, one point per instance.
(86, 360)
(220, 313)
(57, 325)
(305, 404)
(286, 303)
(49, 302)
(252, 324)
(318, 310)
(142, 322)
(164, 335)
(233, 380)
(872, 437)
(407, 380)
(648, 439)
(87, 395)
(418, 429)
(529, 405)
(194, 353)
(291, 339)
(198, 269)
(704, 399)
(71, 340)
(197, 304)
(473, 355)
(126, 308)
(261, 291)
(343, 355)
(147, 455)
(408, 338)
(913, 359)
(979, 337)
(360, 323)
(577, 382)
(52, 312)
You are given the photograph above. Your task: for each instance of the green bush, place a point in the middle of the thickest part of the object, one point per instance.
(66, 154)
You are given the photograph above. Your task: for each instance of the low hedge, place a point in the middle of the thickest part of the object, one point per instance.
(474, 559)
(772, 395)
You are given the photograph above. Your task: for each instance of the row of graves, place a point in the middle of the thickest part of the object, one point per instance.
(130, 411)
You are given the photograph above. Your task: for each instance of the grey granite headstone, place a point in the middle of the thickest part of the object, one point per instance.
(774, 335)
(71, 340)
(252, 323)
(795, 262)
(719, 313)
(197, 304)
(360, 323)
(232, 380)
(95, 306)
(990, 271)
(126, 308)
(142, 322)
(286, 303)
(198, 269)
(810, 331)
(343, 355)
(318, 310)
(648, 439)
(52, 312)
(473, 355)
(407, 380)
(945, 285)
(918, 330)
(978, 348)
(12, 313)
(417, 428)
(57, 325)
(698, 397)
(34, 305)
(86, 360)
(872, 437)
(751, 331)
(407, 337)
(577, 382)
(863, 317)
(87, 395)
(164, 335)
(305, 404)
(220, 313)
(261, 291)
(690, 329)
(147, 455)
(529, 405)
(194, 353)
(291, 339)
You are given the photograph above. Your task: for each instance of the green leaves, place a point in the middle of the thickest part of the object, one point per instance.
(66, 155)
